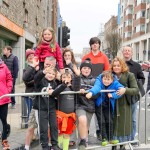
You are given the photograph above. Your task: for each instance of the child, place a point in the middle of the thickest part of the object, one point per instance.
(45, 79)
(47, 46)
(85, 107)
(105, 104)
(66, 107)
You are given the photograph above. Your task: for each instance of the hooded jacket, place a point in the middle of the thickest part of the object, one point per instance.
(5, 83)
(98, 86)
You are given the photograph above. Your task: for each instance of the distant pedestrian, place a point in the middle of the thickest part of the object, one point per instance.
(6, 88)
(13, 65)
(100, 62)
(47, 46)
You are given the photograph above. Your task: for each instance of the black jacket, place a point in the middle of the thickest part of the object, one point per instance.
(135, 68)
(28, 78)
(84, 103)
(67, 102)
(44, 102)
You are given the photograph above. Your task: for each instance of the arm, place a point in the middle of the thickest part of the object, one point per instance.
(58, 90)
(106, 65)
(9, 83)
(140, 74)
(97, 86)
(16, 67)
(59, 57)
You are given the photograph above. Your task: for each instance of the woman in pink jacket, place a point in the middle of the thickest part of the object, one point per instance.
(5, 88)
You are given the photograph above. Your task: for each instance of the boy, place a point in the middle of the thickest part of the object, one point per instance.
(105, 104)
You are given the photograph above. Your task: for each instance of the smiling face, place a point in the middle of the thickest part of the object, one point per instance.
(127, 53)
(107, 80)
(47, 35)
(86, 71)
(117, 68)
(50, 75)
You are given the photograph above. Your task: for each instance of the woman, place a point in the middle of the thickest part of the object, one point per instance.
(123, 113)
(6, 87)
(28, 76)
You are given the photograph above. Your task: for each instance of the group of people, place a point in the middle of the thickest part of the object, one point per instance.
(58, 113)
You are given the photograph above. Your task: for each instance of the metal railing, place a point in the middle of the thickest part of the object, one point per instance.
(24, 115)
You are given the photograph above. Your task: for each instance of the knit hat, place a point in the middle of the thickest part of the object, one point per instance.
(86, 63)
(28, 52)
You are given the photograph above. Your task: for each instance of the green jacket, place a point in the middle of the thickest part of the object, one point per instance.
(123, 114)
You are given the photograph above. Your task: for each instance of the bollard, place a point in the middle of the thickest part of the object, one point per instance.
(24, 114)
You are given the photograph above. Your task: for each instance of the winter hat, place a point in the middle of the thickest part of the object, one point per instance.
(28, 52)
(86, 63)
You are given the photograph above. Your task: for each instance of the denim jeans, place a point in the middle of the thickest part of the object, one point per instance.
(134, 120)
(29, 104)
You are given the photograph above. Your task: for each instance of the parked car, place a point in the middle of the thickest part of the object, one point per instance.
(146, 66)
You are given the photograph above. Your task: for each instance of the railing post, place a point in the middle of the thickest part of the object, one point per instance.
(24, 113)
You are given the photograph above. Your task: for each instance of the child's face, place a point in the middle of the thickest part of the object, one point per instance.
(50, 76)
(47, 35)
(86, 71)
(66, 78)
(107, 81)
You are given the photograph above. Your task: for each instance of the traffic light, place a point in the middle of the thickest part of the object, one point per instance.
(65, 36)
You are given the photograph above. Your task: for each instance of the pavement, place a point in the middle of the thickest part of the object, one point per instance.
(17, 136)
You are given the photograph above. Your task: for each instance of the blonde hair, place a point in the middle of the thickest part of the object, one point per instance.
(52, 43)
(107, 74)
(124, 67)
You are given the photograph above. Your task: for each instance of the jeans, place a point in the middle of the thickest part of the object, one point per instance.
(29, 104)
(134, 110)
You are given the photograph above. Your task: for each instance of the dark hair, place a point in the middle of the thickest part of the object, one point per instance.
(94, 40)
(9, 48)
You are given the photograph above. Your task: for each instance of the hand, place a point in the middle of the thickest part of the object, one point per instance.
(35, 62)
(109, 95)
(82, 91)
(89, 95)
(68, 61)
(50, 91)
(46, 70)
(121, 91)
(76, 70)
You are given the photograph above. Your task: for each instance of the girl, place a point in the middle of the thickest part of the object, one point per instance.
(47, 46)
(66, 107)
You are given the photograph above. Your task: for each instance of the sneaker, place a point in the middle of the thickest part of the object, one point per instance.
(55, 147)
(13, 106)
(5, 145)
(114, 142)
(104, 142)
(82, 144)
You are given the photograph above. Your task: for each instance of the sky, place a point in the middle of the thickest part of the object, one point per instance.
(85, 19)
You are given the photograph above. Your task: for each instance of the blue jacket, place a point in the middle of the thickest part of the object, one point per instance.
(98, 86)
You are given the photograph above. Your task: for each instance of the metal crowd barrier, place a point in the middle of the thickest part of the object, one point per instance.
(78, 92)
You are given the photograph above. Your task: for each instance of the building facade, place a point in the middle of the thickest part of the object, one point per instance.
(21, 23)
(134, 26)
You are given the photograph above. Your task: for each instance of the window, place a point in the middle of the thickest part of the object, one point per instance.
(147, 27)
(147, 16)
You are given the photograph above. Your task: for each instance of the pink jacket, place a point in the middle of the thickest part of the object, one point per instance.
(44, 50)
(5, 83)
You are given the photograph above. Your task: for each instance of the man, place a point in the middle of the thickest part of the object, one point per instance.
(12, 63)
(98, 59)
(100, 62)
(135, 68)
